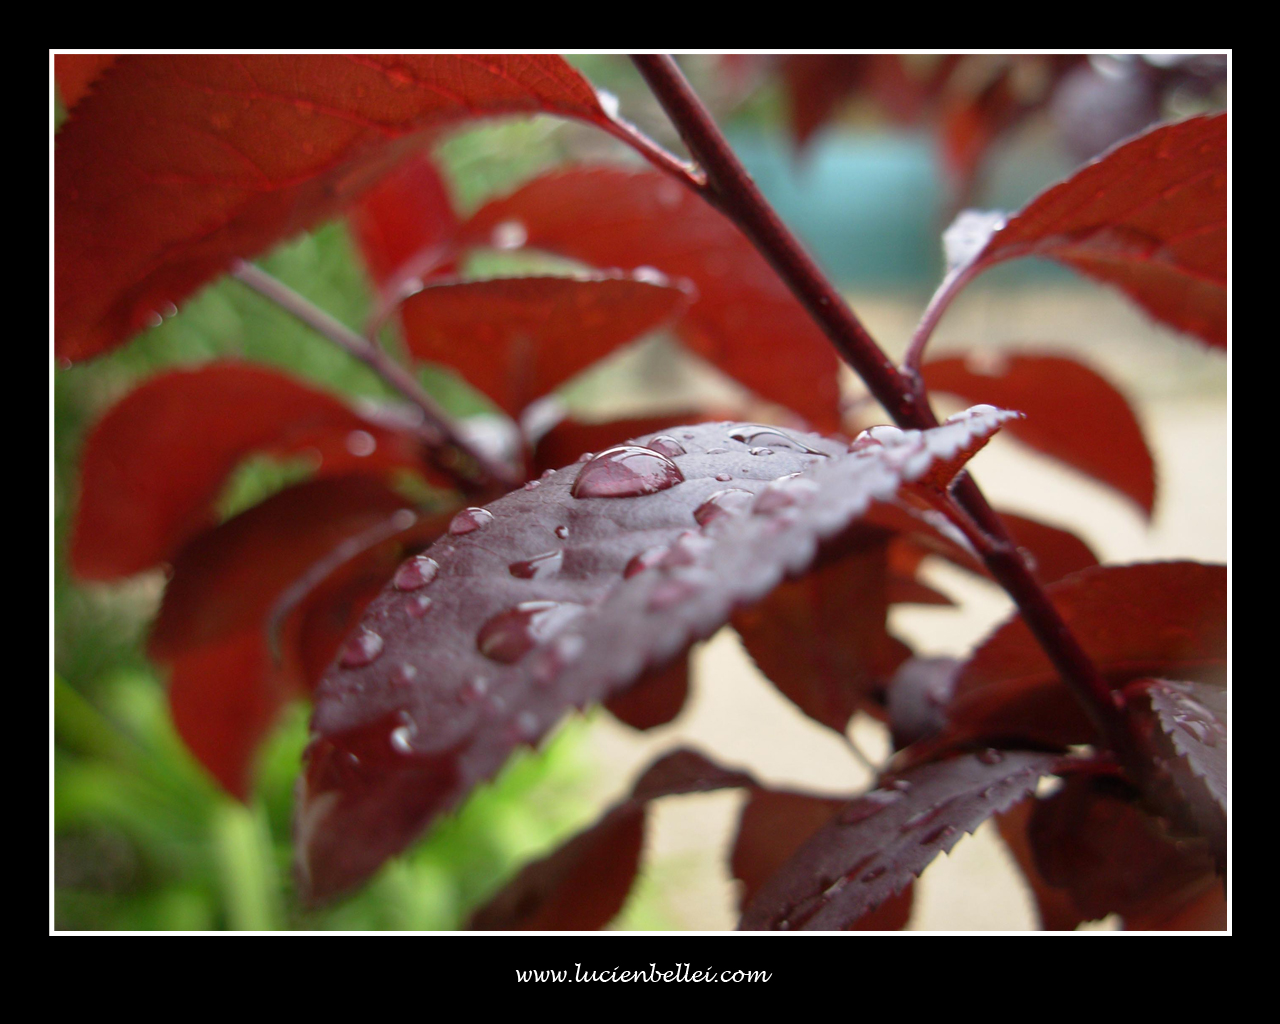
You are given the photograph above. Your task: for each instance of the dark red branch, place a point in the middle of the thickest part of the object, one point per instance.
(730, 188)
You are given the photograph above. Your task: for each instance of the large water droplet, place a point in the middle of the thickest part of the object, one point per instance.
(626, 471)
(510, 635)
(538, 567)
(470, 519)
(417, 572)
(763, 436)
(665, 445)
(361, 443)
(991, 756)
(510, 234)
(361, 649)
(731, 501)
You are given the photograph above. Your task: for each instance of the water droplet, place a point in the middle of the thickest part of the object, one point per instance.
(873, 803)
(551, 659)
(546, 473)
(510, 635)
(361, 649)
(785, 492)
(526, 725)
(646, 559)
(510, 234)
(730, 502)
(415, 573)
(585, 456)
(717, 451)
(901, 785)
(757, 433)
(608, 102)
(760, 451)
(943, 833)
(665, 445)
(470, 519)
(834, 887)
(473, 690)
(874, 873)
(724, 478)
(420, 605)
(991, 756)
(562, 532)
(626, 471)
(530, 485)
(538, 567)
(402, 735)
(407, 673)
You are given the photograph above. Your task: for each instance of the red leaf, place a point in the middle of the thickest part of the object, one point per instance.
(556, 596)
(1056, 910)
(655, 700)
(744, 320)
(881, 841)
(154, 464)
(582, 885)
(175, 165)
(76, 72)
(211, 632)
(774, 824)
(1112, 858)
(1158, 618)
(519, 338)
(404, 226)
(821, 639)
(1072, 413)
(1149, 217)
(1055, 552)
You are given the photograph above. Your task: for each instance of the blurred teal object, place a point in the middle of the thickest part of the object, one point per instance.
(871, 207)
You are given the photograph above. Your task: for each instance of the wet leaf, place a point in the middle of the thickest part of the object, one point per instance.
(498, 657)
(744, 320)
(519, 338)
(1072, 413)
(773, 825)
(875, 847)
(1148, 217)
(175, 165)
(153, 466)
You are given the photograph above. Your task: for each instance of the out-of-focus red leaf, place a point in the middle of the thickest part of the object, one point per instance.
(773, 825)
(1149, 217)
(1151, 619)
(1205, 912)
(1055, 552)
(1072, 413)
(175, 165)
(582, 885)
(519, 338)
(75, 73)
(560, 595)
(226, 687)
(745, 320)
(874, 848)
(1056, 911)
(816, 83)
(822, 640)
(154, 464)
(404, 226)
(1112, 858)
(655, 700)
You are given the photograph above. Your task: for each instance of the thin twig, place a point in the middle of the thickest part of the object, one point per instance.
(439, 428)
(731, 189)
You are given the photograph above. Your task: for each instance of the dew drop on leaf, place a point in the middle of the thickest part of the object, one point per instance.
(729, 502)
(510, 635)
(626, 471)
(470, 519)
(665, 445)
(417, 572)
(361, 649)
(420, 605)
(538, 567)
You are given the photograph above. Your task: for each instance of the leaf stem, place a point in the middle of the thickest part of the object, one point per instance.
(440, 430)
(730, 188)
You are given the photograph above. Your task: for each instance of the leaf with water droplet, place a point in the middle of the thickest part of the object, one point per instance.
(619, 503)
(880, 853)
